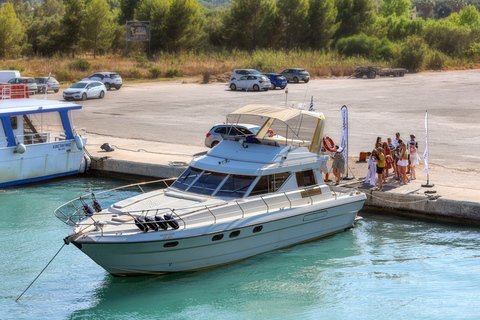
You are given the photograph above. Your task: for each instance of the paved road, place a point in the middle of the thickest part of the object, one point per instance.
(182, 113)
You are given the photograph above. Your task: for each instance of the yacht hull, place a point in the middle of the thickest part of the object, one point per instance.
(199, 252)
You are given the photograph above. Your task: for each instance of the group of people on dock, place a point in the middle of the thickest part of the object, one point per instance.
(393, 154)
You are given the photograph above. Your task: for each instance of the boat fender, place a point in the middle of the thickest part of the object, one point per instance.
(328, 143)
(96, 205)
(79, 142)
(171, 222)
(161, 223)
(140, 223)
(20, 148)
(151, 223)
(87, 210)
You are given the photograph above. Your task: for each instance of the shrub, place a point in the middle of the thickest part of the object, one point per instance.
(14, 66)
(435, 60)
(172, 72)
(134, 73)
(412, 53)
(155, 71)
(206, 77)
(360, 44)
(141, 61)
(64, 75)
(451, 40)
(80, 65)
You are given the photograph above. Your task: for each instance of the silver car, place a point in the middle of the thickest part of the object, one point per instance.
(251, 82)
(219, 131)
(296, 75)
(243, 72)
(42, 84)
(29, 82)
(109, 79)
(85, 89)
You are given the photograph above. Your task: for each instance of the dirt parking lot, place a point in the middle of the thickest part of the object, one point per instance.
(182, 113)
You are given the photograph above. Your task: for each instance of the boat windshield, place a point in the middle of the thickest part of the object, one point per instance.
(186, 179)
(228, 185)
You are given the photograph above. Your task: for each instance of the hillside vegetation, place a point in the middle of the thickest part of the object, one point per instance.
(73, 38)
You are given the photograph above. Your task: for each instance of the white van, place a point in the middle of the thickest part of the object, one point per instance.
(6, 75)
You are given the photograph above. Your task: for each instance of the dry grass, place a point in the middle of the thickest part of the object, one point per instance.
(197, 64)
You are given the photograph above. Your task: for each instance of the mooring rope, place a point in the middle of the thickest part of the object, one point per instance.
(40, 272)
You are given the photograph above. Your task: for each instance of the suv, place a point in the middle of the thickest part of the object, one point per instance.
(109, 79)
(42, 84)
(219, 131)
(296, 74)
(251, 82)
(243, 72)
(29, 82)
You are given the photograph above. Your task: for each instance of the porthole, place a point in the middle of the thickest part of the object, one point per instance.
(217, 237)
(234, 234)
(170, 244)
(257, 229)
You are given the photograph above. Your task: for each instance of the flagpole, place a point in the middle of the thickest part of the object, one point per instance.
(426, 155)
(344, 141)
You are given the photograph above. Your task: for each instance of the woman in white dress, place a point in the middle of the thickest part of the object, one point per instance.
(412, 148)
(372, 169)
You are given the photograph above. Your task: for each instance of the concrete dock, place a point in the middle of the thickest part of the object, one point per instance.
(456, 197)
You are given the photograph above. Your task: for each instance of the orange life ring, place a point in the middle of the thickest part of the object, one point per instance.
(328, 143)
(270, 133)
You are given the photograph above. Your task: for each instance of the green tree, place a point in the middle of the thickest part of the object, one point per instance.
(426, 7)
(98, 26)
(72, 25)
(156, 12)
(249, 23)
(354, 16)
(293, 22)
(322, 15)
(184, 25)
(400, 8)
(12, 33)
(469, 17)
(127, 10)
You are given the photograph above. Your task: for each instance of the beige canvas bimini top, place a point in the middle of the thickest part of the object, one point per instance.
(277, 112)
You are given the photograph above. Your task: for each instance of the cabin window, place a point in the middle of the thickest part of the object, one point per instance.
(217, 237)
(170, 244)
(187, 177)
(14, 122)
(234, 234)
(305, 178)
(257, 229)
(207, 183)
(235, 186)
(270, 183)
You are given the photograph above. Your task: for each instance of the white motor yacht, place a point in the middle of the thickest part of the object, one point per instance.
(246, 196)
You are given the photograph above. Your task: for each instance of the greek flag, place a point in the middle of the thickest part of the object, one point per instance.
(311, 106)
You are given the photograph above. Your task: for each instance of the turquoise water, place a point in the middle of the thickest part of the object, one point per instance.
(388, 267)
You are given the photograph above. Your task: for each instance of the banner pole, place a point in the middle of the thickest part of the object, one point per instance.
(427, 151)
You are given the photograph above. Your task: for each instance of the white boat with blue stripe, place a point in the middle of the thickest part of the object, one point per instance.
(38, 141)
(246, 196)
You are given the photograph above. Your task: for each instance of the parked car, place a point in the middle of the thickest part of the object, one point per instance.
(84, 90)
(296, 75)
(243, 72)
(42, 84)
(218, 131)
(277, 80)
(6, 75)
(29, 82)
(251, 82)
(109, 79)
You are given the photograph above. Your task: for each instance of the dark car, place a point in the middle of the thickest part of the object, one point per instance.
(109, 79)
(296, 75)
(277, 80)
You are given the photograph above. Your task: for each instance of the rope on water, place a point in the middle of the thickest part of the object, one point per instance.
(40, 272)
